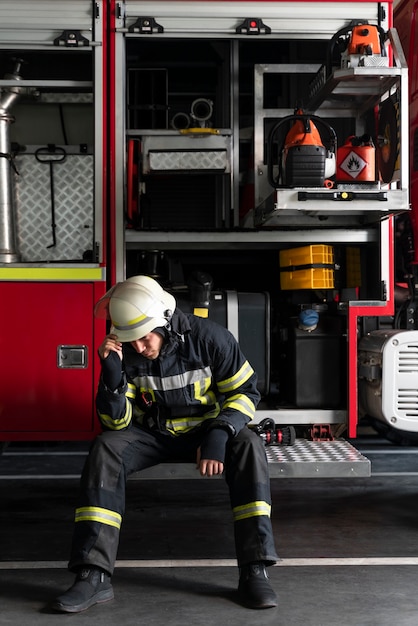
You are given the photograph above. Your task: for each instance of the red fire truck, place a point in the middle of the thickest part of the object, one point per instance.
(251, 156)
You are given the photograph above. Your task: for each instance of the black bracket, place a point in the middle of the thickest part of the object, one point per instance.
(341, 196)
(370, 372)
(321, 432)
(146, 26)
(253, 26)
(71, 39)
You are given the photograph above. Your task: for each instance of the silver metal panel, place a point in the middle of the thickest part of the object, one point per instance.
(305, 459)
(174, 151)
(74, 208)
(235, 240)
(27, 21)
(192, 160)
(120, 155)
(232, 313)
(300, 416)
(286, 19)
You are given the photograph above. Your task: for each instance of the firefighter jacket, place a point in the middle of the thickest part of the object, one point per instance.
(200, 374)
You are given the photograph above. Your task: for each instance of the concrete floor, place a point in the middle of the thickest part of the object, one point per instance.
(349, 549)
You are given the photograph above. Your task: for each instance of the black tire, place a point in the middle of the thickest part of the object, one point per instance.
(397, 437)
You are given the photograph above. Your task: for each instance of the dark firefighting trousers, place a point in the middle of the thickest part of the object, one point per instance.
(115, 455)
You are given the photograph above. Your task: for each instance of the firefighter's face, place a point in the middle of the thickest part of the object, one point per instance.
(149, 346)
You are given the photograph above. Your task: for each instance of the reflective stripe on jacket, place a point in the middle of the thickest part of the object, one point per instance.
(200, 374)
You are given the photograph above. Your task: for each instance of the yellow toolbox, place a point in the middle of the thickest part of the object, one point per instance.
(309, 267)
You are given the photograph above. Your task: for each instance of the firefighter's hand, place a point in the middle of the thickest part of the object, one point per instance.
(208, 467)
(110, 344)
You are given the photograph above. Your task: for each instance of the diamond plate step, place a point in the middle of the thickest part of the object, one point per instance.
(305, 459)
(310, 459)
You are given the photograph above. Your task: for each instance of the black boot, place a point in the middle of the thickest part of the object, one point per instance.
(254, 588)
(92, 586)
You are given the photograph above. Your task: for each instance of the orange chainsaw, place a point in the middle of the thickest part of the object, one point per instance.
(303, 160)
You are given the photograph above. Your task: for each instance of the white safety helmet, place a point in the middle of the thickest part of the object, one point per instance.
(136, 307)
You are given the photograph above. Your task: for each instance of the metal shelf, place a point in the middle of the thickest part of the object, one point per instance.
(337, 207)
(239, 239)
(360, 88)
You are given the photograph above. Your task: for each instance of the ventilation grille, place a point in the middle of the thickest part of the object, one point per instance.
(407, 396)
(408, 402)
(408, 359)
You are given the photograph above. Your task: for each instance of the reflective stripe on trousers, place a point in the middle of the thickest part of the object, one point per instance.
(115, 455)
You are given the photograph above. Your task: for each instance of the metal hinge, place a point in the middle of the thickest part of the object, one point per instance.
(381, 13)
(146, 26)
(71, 39)
(119, 11)
(253, 26)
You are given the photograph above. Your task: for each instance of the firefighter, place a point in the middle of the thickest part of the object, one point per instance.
(172, 387)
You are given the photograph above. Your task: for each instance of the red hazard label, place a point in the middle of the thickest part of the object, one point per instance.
(353, 164)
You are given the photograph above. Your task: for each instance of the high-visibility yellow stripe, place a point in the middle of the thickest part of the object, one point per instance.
(171, 383)
(98, 514)
(183, 424)
(121, 423)
(252, 509)
(131, 392)
(52, 273)
(241, 403)
(238, 379)
(202, 393)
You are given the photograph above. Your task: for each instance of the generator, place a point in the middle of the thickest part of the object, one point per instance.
(388, 373)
